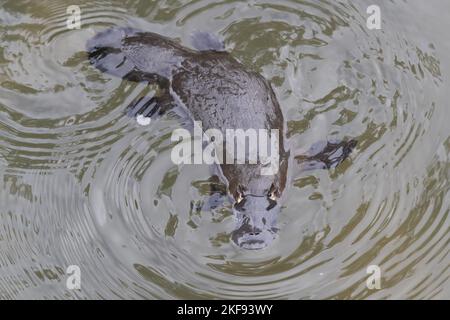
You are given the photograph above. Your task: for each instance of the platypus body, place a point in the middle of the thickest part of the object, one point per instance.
(217, 90)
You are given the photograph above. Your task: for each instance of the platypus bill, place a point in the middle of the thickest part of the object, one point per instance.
(223, 94)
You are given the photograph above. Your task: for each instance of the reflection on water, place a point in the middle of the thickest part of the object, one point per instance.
(83, 185)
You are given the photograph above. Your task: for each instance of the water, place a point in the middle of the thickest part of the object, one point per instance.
(80, 184)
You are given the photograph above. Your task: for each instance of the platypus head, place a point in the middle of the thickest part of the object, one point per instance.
(256, 205)
(256, 216)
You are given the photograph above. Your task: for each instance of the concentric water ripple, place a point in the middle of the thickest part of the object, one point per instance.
(84, 185)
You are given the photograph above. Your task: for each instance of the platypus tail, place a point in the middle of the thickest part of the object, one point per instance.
(135, 55)
(138, 56)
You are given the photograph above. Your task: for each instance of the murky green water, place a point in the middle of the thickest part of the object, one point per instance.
(80, 184)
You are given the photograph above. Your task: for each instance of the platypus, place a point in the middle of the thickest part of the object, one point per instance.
(216, 89)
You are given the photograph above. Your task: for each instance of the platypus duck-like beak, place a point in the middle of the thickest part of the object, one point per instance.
(256, 222)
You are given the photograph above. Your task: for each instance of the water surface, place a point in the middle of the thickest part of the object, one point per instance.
(80, 184)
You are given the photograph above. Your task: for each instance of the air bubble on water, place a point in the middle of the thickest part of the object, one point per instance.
(143, 121)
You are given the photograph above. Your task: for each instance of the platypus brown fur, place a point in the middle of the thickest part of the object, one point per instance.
(222, 93)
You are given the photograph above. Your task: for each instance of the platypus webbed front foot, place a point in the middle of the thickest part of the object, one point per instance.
(149, 107)
(326, 155)
(145, 106)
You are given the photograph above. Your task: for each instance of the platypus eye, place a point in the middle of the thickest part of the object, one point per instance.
(272, 196)
(239, 197)
(240, 194)
(273, 193)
